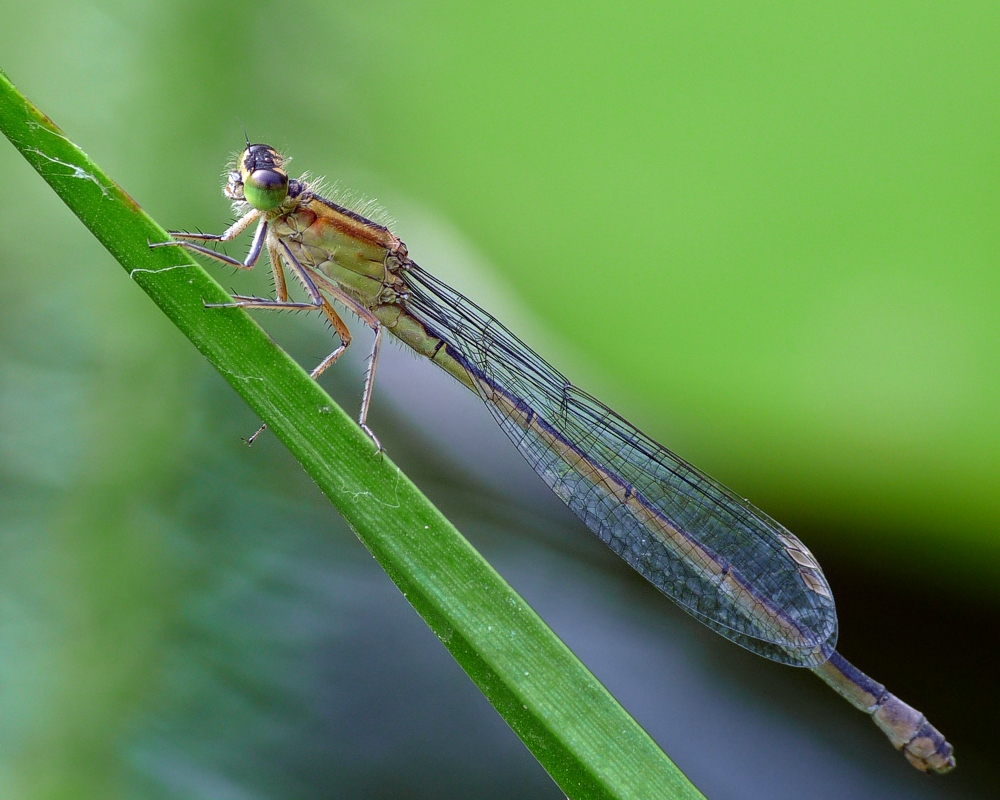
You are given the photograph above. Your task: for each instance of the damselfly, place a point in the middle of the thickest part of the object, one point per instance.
(722, 560)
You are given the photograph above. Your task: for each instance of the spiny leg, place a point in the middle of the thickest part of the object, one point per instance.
(187, 240)
(366, 397)
(306, 277)
(343, 333)
(315, 297)
(340, 327)
(249, 301)
(260, 238)
(318, 302)
(280, 289)
(345, 336)
(372, 322)
(300, 272)
(231, 232)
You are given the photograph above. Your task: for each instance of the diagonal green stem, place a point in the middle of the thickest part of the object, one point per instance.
(577, 731)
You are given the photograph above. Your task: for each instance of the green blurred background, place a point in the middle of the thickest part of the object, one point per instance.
(766, 233)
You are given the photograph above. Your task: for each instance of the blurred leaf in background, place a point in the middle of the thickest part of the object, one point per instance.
(766, 233)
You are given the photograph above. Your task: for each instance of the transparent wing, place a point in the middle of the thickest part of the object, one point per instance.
(724, 561)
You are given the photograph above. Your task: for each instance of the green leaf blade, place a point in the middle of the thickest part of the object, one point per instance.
(579, 733)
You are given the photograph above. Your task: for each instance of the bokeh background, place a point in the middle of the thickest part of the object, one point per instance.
(765, 232)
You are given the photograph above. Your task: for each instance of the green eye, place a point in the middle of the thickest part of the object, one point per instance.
(265, 189)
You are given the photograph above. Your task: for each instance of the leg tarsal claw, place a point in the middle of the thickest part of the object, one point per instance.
(257, 433)
(372, 436)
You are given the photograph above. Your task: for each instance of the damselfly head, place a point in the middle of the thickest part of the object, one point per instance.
(259, 178)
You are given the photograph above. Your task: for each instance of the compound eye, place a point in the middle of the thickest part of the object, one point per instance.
(265, 189)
